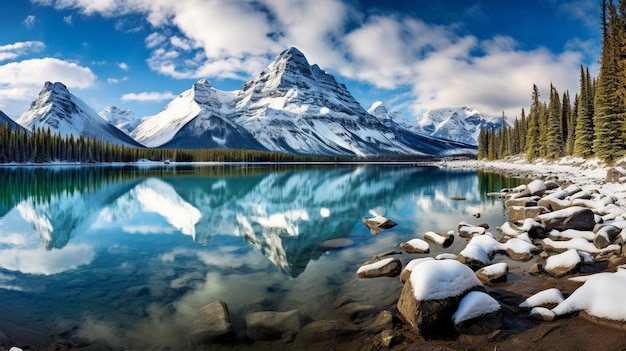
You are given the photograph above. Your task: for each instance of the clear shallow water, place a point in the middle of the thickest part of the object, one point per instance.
(128, 255)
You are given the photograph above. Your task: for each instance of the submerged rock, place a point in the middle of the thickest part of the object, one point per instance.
(211, 321)
(268, 325)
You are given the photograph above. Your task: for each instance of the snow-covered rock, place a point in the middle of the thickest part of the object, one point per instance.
(495, 273)
(478, 313)
(418, 246)
(550, 296)
(579, 218)
(378, 223)
(406, 271)
(61, 111)
(599, 298)
(520, 250)
(387, 267)
(563, 264)
(467, 230)
(442, 239)
(433, 293)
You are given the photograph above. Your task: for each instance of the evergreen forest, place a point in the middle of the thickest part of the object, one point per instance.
(592, 124)
(21, 146)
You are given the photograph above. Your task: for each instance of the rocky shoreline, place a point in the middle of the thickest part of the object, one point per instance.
(506, 291)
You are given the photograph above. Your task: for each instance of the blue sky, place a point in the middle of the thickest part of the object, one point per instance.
(412, 55)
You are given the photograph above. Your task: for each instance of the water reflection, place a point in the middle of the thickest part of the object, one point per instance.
(150, 246)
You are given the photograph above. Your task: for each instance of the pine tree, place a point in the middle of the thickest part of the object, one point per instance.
(532, 134)
(554, 136)
(609, 108)
(583, 142)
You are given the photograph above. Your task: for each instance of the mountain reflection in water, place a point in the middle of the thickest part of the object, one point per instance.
(109, 232)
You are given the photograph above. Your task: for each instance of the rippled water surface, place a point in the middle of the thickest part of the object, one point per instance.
(127, 255)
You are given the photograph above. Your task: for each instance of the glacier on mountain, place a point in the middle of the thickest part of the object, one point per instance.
(58, 109)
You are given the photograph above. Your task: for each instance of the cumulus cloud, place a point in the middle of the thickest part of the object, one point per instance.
(116, 80)
(148, 96)
(436, 63)
(12, 51)
(20, 81)
(123, 65)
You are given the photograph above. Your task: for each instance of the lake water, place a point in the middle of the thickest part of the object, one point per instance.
(127, 255)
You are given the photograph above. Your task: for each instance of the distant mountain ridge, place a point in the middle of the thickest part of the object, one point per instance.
(122, 118)
(455, 124)
(58, 109)
(291, 106)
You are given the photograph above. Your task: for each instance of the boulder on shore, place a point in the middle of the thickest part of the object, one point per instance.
(577, 218)
(432, 295)
(563, 264)
(387, 267)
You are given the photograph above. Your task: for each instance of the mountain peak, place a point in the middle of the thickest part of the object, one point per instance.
(378, 109)
(56, 108)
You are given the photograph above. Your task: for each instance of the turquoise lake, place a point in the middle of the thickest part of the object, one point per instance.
(126, 256)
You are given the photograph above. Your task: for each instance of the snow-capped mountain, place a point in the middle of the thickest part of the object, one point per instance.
(456, 124)
(6, 119)
(196, 119)
(61, 111)
(462, 124)
(291, 106)
(122, 118)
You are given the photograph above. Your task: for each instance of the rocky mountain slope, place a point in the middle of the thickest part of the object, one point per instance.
(122, 118)
(61, 111)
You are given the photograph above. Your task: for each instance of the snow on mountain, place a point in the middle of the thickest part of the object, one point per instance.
(291, 106)
(455, 124)
(6, 119)
(459, 124)
(122, 118)
(61, 111)
(197, 118)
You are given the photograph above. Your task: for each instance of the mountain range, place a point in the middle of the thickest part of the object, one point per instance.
(291, 106)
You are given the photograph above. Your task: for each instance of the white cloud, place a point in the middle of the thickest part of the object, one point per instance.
(29, 21)
(68, 19)
(116, 80)
(123, 65)
(12, 51)
(20, 81)
(236, 39)
(148, 96)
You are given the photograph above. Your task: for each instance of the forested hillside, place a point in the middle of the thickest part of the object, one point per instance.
(592, 125)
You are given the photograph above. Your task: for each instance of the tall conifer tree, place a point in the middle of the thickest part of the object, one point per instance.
(608, 107)
(583, 142)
